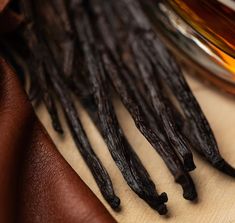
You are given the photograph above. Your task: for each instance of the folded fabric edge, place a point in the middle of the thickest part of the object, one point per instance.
(37, 184)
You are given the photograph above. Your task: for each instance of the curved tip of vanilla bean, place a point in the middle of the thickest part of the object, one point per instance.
(114, 202)
(225, 167)
(158, 203)
(189, 164)
(57, 127)
(162, 209)
(163, 197)
(189, 190)
(190, 194)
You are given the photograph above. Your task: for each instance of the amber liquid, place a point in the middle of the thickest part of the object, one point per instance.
(215, 21)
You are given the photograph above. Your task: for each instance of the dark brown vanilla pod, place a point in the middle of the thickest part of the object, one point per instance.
(39, 80)
(199, 130)
(98, 171)
(104, 116)
(152, 135)
(149, 195)
(38, 185)
(178, 141)
(210, 150)
(170, 72)
(43, 55)
(201, 135)
(59, 30)
(126, 159)
(47, 97)
(138, 109)
(128, 162)
(163, 112)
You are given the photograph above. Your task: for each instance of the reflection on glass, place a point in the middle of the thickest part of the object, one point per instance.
(203, 30)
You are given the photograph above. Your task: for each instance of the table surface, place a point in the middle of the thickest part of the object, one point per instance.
(216, 201)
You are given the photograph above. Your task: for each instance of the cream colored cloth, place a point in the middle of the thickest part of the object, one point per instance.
(216, 203)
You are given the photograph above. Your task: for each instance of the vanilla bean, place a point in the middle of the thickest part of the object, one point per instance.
(121, 80)
(127, 160)
(58, 30)
(167, 67)
(200, 132)
(48, 100)
(137, 31)
(98, 171)
(152, 135)
(163, 112)
(109, 29)
(36, 68)
(48, 61)
(70, 44)
(104, 116)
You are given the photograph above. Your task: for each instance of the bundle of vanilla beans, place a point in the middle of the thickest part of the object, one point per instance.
(88, 48)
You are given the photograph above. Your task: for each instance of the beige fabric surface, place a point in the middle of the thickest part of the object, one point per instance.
(216, 203)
